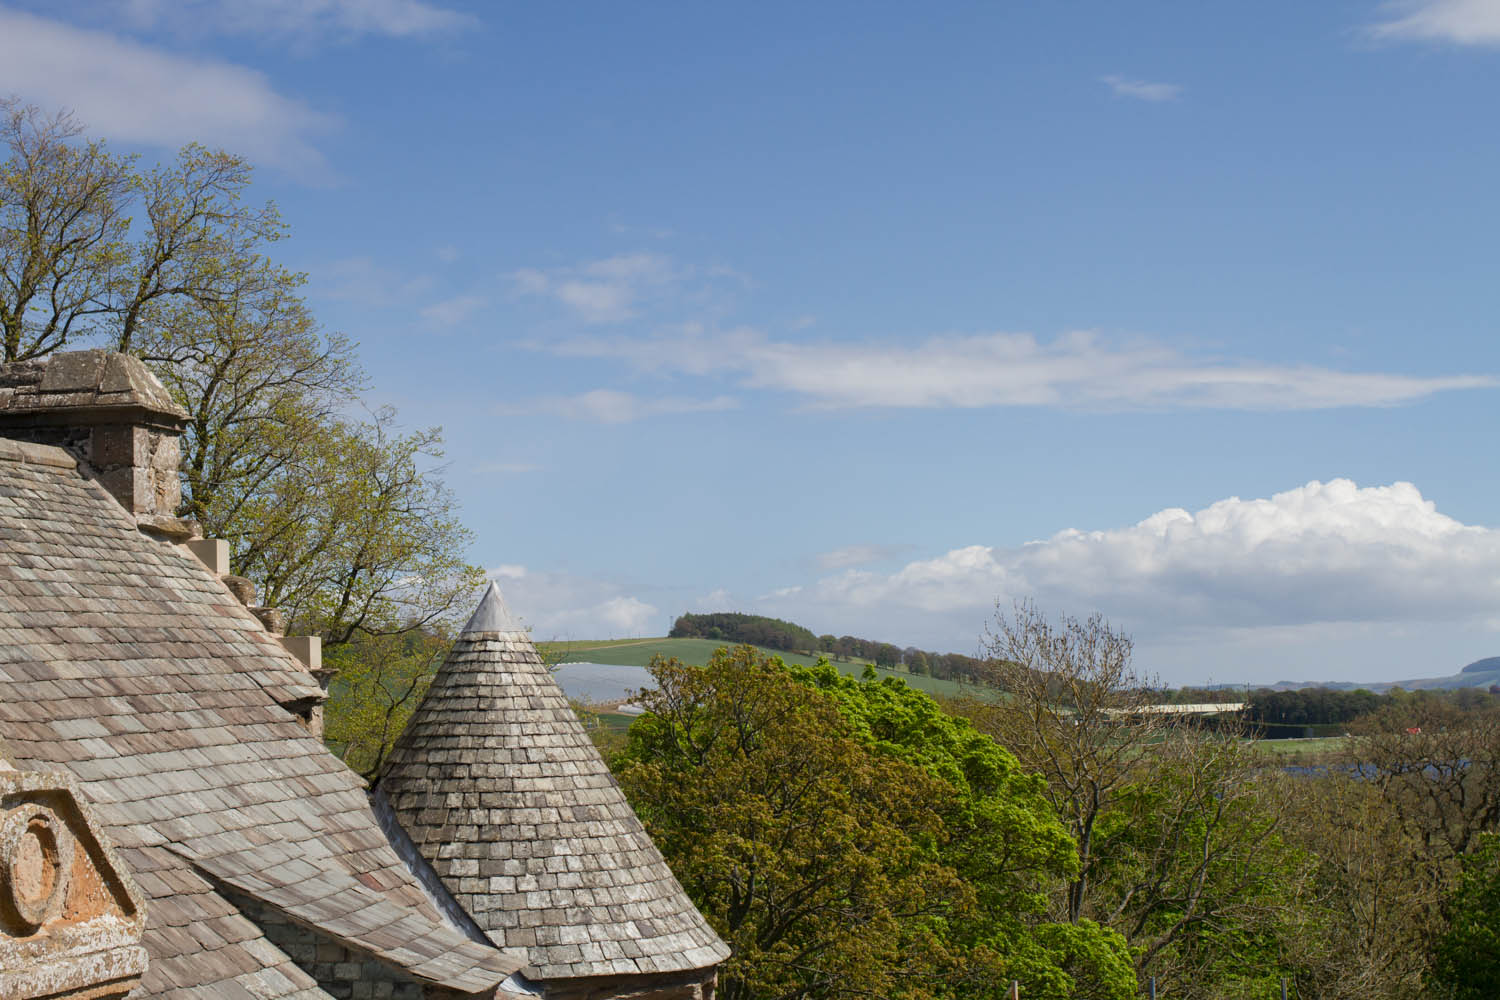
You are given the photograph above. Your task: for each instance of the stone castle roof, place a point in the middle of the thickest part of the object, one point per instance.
(501, 789)
(127, 664)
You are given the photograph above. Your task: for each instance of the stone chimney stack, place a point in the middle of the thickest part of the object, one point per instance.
(112, 414)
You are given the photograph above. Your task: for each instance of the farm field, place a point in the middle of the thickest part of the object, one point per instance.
(1291, 748)
(638, 653)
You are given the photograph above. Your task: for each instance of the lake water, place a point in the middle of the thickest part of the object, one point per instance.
(598, 683)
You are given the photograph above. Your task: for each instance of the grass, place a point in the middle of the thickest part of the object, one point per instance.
(638, 653)
(1303, 751)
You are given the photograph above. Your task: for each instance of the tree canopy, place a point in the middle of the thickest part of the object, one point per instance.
(851, 839)
(336, 514)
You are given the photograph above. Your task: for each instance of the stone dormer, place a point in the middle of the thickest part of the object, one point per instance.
(110, 412)
(115, 418)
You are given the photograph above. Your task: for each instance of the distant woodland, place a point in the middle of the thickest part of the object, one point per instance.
(773, 633)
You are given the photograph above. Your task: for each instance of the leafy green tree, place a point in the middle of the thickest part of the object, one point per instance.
(380, 682)
(849, 838)
(356, 537)
(1002, 838)
(1177, 833)
(814, 859)
(1467, 960)
(75, 263)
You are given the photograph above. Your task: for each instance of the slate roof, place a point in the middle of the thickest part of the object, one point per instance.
(501, 789)
(126, 663)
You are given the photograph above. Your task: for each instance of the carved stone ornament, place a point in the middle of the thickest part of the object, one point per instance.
(70, 918)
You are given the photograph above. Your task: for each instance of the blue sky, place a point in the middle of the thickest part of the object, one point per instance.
(872, 315)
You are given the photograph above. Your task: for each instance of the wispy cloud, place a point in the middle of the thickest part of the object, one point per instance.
(453, 312)
(611, 407)
(1141, 90)
(368, 282)
(560, 605)
(134, 93)
(298, 19)
(1458, 22)
(850, 556)
(1078, 371)
(601, 291)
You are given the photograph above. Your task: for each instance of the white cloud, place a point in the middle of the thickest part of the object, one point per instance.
(601, 291)
(454, 311)
(138, 94)
(1460, 22)
(611, 407)
(624, 615)
(560, 605)
(298, 19)
(1324, 553)
(1141, 90)
(1079, 371)
(781, 592)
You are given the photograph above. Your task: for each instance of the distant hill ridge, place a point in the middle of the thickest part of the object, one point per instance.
(1481, 673)
(1487, 665)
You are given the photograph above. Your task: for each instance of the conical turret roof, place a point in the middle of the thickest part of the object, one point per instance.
(501, 790)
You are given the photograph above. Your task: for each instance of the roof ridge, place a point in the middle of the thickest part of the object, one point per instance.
(27, 453)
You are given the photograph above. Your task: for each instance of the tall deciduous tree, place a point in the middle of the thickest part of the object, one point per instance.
(341, 521)
(1178, 836)
(1073, 716)
(813, 858)
(89, 244)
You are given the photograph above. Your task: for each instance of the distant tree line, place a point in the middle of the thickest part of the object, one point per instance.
(754, 630)
(948, 666)
(1317, 706)
(773, 633)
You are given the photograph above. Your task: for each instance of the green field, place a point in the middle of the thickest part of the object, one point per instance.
(1289, 748)
(638, 653)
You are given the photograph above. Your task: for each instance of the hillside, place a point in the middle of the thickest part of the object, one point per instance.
(638, 653)
(1479, 674)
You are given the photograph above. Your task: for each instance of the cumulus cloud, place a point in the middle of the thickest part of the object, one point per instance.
(1458, 22)
(608, 406)
(1081, 371)
(1324, 553)
(138, 94)
(558, 605)
(1141, 90)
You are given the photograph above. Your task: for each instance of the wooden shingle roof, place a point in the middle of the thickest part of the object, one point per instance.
(502, 791)
(124, 662)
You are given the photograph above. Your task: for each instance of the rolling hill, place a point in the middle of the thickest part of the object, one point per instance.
(638, 653)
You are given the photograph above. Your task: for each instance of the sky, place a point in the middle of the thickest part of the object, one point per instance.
(880, 317)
